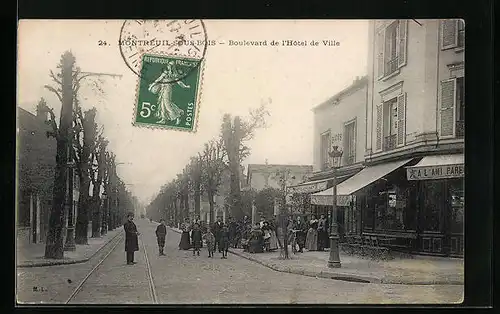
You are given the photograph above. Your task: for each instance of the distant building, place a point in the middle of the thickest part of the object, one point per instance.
(36, 161)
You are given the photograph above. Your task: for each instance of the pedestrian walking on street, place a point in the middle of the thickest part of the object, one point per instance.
(256, 241)
(161, 234)
(322, 234)
(185, 244)
(312, 235)
(300, 233)
(224, 241)
(196, 239)
(210, 241)
(131, 239)
(217, 232)
(232, 232)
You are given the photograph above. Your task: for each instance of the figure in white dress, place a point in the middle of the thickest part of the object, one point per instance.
(162, 86)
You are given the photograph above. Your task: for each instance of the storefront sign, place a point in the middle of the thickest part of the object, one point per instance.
(435, 172)
(307, 188)
(327, 200)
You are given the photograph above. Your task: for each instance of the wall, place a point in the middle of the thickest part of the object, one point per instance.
(332, 117)
(426, 66)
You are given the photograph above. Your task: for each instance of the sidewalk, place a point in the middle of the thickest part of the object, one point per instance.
(418, 270)
(32, 255)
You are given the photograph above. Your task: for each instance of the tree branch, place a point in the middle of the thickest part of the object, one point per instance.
(54, 78)
(52, 89)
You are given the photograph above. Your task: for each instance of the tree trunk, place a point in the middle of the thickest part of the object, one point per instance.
(54, 244)
(96, 217)
(197, 196)
(82, 219)
(211, 206)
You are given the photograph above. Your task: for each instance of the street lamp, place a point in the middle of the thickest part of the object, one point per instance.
(69, 245)
(105, 214)
(334, 261)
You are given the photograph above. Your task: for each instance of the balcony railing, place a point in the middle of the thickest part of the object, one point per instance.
(391, 66)
(390, 142)
(460, 128)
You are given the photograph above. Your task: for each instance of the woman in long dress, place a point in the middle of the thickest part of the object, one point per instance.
(185, 243)
(256, 241)
(312, 235)
(162, 86)
(273, 241)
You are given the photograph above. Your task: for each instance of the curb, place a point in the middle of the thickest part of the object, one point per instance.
(46, 263)
(326, 275)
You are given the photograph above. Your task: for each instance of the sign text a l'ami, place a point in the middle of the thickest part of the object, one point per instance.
(435, 172)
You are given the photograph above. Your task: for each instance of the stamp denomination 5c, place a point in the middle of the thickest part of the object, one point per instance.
(165, 103)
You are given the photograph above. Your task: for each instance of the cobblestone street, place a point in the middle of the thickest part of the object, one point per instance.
(180, 277)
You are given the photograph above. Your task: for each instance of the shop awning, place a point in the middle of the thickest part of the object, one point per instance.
(308, 187)
(358, 181)
(437, 167)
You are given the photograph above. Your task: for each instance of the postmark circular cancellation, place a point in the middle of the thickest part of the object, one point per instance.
(184, 40)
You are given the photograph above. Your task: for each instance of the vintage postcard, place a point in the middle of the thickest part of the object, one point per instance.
(240, 162)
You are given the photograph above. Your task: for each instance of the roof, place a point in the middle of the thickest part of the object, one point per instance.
(356, 85)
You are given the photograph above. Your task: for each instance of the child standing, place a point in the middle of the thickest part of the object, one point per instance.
(196, 239)
(161, 233)
(224, 241)
(210, 240)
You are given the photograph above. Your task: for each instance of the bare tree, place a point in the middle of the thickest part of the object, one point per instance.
(64, 91)
(213, 165)
(235, 133)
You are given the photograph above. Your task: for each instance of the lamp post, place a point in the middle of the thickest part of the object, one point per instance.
(105, 213)
(69, 245)
(334, 260)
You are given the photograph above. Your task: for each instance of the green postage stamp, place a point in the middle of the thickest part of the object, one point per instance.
(167, 95)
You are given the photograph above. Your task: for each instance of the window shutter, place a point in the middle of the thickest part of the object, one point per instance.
(448, 99)
(379, 126)
(380, 52)
(401, 137)
(449, 34)
(403, 42)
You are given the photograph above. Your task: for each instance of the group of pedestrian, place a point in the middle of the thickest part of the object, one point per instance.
(217, 237)
(312, 236)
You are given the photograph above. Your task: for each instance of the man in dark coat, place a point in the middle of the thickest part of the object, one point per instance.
(218, 232)
(233, 232)
(300, 228)
(131, 239)
(161, 233)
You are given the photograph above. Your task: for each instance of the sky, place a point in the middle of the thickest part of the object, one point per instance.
(291, 80)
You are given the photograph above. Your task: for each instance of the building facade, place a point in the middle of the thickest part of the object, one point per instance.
(36, 161)
(410, 193)
(340, 121)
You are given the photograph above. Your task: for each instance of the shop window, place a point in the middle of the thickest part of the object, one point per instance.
(393, 210)
(350, 220)
(456, 198)
(432, 192)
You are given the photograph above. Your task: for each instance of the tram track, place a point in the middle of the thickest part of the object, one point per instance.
(149, 274)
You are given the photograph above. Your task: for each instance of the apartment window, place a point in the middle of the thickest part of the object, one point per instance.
(452, 34)
(391, 48)
(391, 123)
(350, 143)
(452, 122)
(325, 149)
